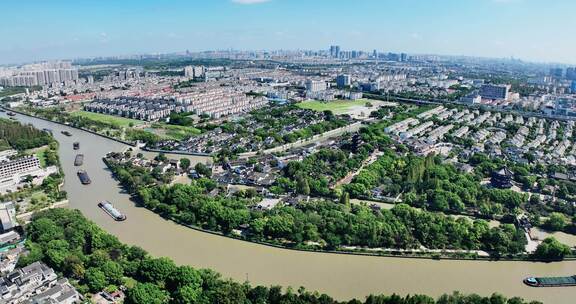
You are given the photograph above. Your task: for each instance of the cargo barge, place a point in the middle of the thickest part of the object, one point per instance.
(66, 133)
(551, 281)
(111, 211)
(79, 160)
(84, 178)
(76, 145)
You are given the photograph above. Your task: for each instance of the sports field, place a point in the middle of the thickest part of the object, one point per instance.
(114, 120)
(336, 106)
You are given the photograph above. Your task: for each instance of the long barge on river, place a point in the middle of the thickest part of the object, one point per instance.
(79, 160)
(551, 281)
(111, 211)
(84, 178)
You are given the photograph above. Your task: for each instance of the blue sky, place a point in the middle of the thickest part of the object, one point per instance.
(537, 30)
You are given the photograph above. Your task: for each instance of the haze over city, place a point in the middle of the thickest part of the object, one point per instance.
(531, 30)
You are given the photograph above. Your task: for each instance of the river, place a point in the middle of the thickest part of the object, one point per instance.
(341, 276)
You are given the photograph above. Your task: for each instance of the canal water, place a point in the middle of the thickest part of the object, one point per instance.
(341, 276)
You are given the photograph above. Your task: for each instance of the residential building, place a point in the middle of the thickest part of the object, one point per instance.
(62, 292)
(315, 85)
(18, 285)
(41, 74)
(14, 171)
(343, 81)
(8, 216)
(189, 71)
(353, 95)
(473, 98)
(491, 91)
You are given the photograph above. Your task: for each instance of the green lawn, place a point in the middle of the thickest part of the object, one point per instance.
(4, 145)
(40, 154)
(336, 106)
(17, 90)
(174, 132)
(114, 120)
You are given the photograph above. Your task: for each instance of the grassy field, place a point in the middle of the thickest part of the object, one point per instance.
(114, 120)
(4, 145)
(40, 154)
(174, 132)
(336, 106)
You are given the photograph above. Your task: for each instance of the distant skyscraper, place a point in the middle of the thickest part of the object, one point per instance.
(343, 81)
(557, 72)
(571, 73)
(573, 87)
(334, 51)
(403, 57)
(393, 57)
(189, 71)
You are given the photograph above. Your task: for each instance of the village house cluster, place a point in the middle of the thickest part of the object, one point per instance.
(244, 136)
(498, 134)
(215, 103)
(37, 283)
(159, 166)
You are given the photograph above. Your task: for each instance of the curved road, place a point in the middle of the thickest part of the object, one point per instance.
(341, 276)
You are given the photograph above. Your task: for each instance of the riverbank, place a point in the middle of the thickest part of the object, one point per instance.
(427, 254)
(25, 217)
(70, 126)
(344, 276)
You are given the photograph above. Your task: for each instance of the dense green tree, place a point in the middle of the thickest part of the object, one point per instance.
(551, 249)
(113, 271)
(184, 163)
(95, 279)
(22, 137)
(302, 186)
(146, 293)
(156, 270)
(203, 170)
(184, 276)
(556, 222)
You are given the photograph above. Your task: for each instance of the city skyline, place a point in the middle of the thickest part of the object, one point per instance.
(521, 29)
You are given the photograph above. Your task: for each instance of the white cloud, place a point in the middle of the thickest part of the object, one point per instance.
(416, 36)
(250, 1)
(104, 37)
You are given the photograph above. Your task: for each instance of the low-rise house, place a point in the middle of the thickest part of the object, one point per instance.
(8, 216)
(21, 283)
(60, 293)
